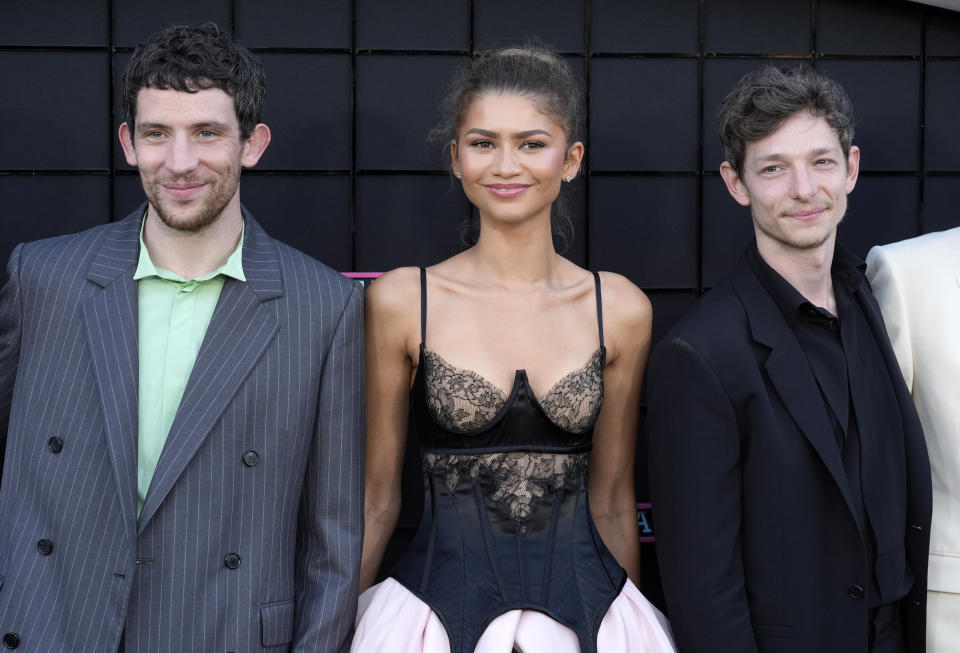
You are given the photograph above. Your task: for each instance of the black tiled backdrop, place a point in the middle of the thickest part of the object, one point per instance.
(353, 87)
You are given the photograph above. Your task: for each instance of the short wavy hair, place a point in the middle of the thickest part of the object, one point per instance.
(765, 98)
(192, 58)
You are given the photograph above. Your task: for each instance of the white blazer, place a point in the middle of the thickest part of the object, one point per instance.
(917, 283)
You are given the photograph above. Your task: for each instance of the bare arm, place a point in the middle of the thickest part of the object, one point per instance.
(613, 504)
(391, 323)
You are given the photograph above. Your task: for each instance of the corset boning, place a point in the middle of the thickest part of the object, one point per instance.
(475, 555)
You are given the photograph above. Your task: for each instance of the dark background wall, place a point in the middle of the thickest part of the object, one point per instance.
(353, 86)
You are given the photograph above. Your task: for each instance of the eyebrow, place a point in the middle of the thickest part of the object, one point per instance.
(212, 124)
(776, 156)
(526, 134)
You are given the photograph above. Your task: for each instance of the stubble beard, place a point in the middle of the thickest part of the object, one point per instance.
(802, 242)
(202, 216)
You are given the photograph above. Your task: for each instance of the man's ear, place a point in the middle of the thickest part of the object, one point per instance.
(126, 142)
(853, 168)
(255, 146)
(735, 186)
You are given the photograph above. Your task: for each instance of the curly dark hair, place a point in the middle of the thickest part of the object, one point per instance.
(191, 58)
(765, 98)
(532, 70)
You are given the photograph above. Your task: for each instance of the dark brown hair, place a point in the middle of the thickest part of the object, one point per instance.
(191, 58)
(765, 98)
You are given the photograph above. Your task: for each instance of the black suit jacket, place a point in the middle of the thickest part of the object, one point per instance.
(757, 541)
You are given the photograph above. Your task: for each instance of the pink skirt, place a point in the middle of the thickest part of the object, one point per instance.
(391, 618)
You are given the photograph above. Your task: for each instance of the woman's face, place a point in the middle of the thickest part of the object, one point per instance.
(512, 158)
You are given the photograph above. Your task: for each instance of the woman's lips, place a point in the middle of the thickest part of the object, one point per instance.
(507, 190)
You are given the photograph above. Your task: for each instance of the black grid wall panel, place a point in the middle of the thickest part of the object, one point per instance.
(135, 20)
(882, 209)
(499, 23)
(413, 25)
(643, 114)
(943, 33)
(886, 106)
(726, 231)
(756, 26)
(308, 112)
(942, 130)
(868, 27)
(54, 22)
(646, 229)
(310, 212)
(407, 220)
(55, 109)
(617, 26)
(293, 24)
(397, 98)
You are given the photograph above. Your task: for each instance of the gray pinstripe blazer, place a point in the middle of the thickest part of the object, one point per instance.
(232, 551)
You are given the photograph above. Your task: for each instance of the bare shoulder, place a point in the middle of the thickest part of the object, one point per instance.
(395, 292)
(392, 306)
(626, 309)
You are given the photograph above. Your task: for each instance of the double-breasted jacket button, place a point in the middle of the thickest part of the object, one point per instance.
(55, 444)
(45, 547)
(231, 561)
(855, 592)
(251, 458)
(11, 640)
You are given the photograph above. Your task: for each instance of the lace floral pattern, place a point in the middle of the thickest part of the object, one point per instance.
(516, 481)
(463, 401)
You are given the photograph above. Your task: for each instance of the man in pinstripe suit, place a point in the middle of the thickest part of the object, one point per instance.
(180, 400)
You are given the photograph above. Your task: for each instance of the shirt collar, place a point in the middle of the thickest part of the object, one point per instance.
(844, 270)
(233, 267)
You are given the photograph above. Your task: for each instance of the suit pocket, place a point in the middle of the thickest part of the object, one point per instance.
(276, 623)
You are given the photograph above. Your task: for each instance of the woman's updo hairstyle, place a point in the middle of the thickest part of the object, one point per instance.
(533, 71)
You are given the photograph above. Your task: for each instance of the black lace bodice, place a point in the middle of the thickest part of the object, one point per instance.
(463, 401)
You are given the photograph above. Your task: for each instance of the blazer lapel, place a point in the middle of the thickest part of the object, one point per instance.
(110, 317)
(239, 332)
(790, 374)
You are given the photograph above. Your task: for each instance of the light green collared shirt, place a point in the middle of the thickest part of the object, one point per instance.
(173, 318)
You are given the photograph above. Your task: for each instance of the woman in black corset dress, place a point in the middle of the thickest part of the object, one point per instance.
(523, 373)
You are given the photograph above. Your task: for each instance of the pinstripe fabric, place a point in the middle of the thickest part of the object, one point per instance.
(279, 373)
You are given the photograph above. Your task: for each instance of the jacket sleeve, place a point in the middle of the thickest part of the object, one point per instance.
(331, 508)
(881, 272)
(10, 321)
(695, 475)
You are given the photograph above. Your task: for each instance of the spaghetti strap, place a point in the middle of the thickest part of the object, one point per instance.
(423, 306)
(596, 281)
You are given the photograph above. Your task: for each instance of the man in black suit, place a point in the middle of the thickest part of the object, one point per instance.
(790, 480)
